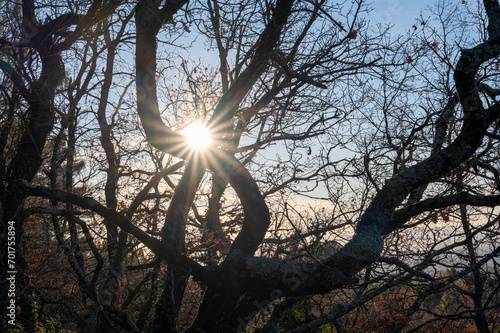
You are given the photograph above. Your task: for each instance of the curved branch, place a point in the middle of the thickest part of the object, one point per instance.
(401, 216)
(149, 20)
(255, 209)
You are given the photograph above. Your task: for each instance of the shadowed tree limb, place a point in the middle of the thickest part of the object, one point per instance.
(159, 248)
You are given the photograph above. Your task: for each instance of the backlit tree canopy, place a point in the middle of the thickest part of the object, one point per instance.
(264, 166)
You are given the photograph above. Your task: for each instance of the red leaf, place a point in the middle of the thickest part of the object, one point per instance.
(353, 34)
(219, 246)
(445, 217)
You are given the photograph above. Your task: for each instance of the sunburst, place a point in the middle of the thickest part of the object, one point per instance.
(197, 136)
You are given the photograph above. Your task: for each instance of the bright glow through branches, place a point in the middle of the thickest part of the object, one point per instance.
(197, 136)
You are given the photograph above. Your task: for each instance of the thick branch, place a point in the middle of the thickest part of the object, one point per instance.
(229, 102)
(148, 22)
(298, 278)
(476, 122)
(255, 209)
(404, 214)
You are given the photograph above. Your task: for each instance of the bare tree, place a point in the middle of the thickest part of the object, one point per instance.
(395, 140)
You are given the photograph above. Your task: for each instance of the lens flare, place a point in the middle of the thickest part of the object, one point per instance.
(197, 136)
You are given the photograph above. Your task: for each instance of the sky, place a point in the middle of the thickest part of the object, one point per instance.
(401, 13)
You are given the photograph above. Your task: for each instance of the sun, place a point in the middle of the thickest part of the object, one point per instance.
(197, 135)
